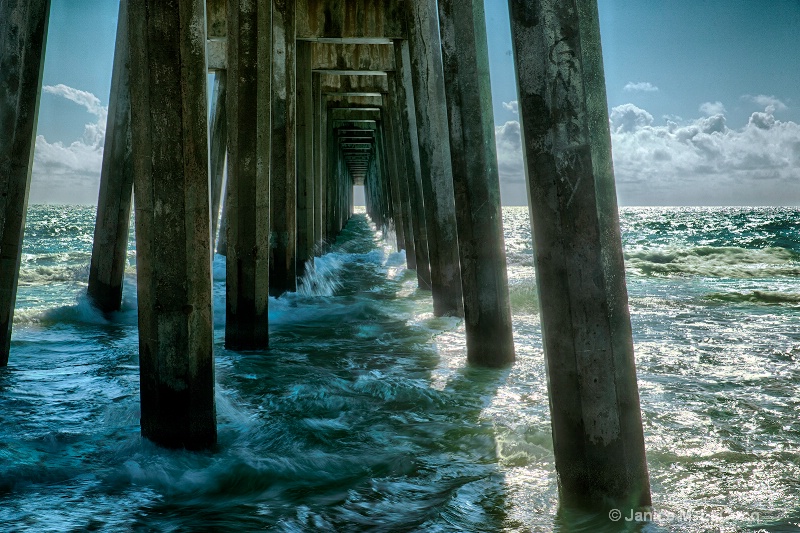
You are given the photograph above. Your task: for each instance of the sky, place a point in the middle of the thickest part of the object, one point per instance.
(703, 97)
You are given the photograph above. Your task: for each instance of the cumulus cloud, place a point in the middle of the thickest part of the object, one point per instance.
(628, 117)
(713, 108)
(702, 161)
(71, 172)
(766, 101)
(705, 161)
(642, 86)
(512, 106)
(509, 152)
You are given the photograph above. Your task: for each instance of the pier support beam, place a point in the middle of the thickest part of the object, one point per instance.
(398, 163)
(248, 193)
(434, 151)
(401, 87)
(391, 181)
(305, 156)
(487, 311)
(222, 231)
(23, 34)
(111, 230)
(594, 400)
(319, 137)
(283, 202)
(170, 146)
(219, 146)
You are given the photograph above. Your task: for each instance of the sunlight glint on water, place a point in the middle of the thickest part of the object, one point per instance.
(364, 417)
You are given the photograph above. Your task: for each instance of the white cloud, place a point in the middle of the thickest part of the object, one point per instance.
(70, 172)
(643, 86)
(84, 98)
(701, 161)
(713, 108)
(766, 101)
(628, 117)
(704, 161)
(512, 106)
(509, 152)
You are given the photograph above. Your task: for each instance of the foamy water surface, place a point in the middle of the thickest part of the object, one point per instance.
(363, 416)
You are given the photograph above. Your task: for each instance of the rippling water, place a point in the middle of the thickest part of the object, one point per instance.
(364, 417)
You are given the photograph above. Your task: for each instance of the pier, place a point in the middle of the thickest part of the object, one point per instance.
(309, 99)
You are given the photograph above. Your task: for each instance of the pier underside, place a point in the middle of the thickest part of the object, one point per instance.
(309, 99)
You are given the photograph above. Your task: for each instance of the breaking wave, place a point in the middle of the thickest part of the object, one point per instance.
(717, 262)
(48, 274)
(758, 297)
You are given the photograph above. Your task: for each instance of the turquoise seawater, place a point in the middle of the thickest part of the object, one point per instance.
(363, 416)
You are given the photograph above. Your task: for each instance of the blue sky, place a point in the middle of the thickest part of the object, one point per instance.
(704, 98)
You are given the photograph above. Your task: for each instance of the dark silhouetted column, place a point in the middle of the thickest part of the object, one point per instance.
(401, 86)
(487, 312)
(23, 34)
(283, 202)
(305, 157)
(398, 161)
(219, 146)
(434, 154)
(171, 184)
(111, 230)
(248, 193)
(594, 400)
(318, 157)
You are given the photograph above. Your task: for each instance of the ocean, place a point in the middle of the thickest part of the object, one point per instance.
(363, 416)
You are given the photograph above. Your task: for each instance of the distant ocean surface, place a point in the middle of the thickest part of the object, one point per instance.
(362, 416)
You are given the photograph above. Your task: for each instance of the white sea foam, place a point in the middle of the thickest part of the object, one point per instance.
(321, 277)
(709, 261)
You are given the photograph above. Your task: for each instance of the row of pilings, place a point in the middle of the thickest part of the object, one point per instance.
(309, 99)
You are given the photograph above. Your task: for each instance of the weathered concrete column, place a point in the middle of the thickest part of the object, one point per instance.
(283, 203)
(305, 157)
(402, 232)
(23, 35)
(398, 162)
(248, 192)
(318, 156)
(487, 311)
(222, 232)
(219, 145)
(400, 85)
(331, 169)
(111, 230)
(170, 154)
(594, 400)
(391, 184)
(434, 153)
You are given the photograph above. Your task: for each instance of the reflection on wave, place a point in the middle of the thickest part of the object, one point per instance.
(362, 416)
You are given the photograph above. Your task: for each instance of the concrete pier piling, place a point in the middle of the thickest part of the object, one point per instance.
(283, 174)
(112, 225)
(476, 182)
(312, 97)
(318, 156)
(171, 182)
(434, 149)
(401, 90)
(216, 57)
(398, 162)
(219, 146)
(594, 399)
(248, 193)
(23, 34)
(305, 156)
